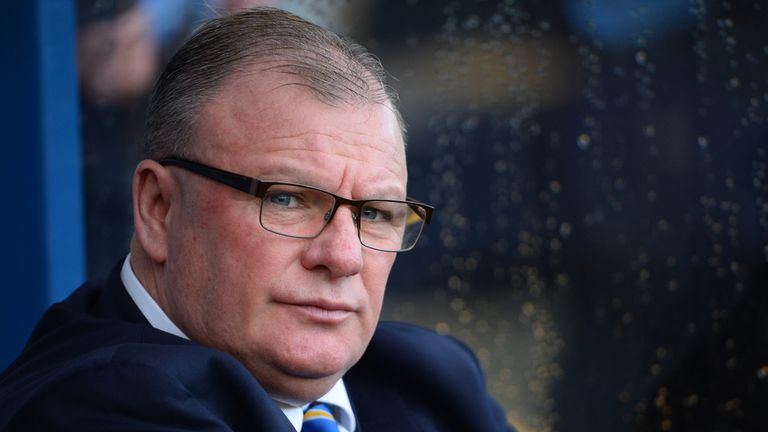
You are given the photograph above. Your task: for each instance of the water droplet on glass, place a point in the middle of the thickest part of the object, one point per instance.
(583, 141)
(641, 57)
(762, 373)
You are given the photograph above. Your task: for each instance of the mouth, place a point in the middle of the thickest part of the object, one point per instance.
(322, 312)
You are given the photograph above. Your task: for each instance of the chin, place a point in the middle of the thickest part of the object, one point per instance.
(298, 390)
(298, 379)
(317, 366)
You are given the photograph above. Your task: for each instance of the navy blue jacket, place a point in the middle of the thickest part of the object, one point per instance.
(94, 363)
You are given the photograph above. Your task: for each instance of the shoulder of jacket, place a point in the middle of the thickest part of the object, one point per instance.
(403, 346)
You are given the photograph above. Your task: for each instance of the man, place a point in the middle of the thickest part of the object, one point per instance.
(245, 302)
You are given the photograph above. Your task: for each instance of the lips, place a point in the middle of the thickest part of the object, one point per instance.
(322, 311)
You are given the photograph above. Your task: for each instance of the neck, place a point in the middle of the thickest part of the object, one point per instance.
(146, 271)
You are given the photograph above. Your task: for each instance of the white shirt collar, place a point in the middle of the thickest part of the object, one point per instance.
(146, 304)
(337, 398)
(157, 318)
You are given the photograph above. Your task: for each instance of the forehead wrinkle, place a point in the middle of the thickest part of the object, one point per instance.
(389, 168)
(316, 146)
(296, 143)
(241, 110)
(259, 117)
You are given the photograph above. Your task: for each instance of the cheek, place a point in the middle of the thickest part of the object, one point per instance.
(229, 235)
(216, 257)
(376, 273)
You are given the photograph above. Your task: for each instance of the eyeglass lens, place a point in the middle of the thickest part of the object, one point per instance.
(298, 211)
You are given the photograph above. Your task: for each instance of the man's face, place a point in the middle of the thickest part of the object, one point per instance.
(297, 312)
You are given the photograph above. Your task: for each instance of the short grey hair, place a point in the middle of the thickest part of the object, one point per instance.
(336, 69)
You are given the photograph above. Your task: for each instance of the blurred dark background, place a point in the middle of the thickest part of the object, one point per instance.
(600, 173)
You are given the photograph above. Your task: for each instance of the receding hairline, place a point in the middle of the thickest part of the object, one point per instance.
(338, 70)
(263, 67)
(277, 79)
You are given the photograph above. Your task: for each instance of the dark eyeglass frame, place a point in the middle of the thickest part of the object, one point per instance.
(258, 188)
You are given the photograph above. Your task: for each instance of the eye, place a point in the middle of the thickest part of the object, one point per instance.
(369, 213)
(283, 199)
(374, 214)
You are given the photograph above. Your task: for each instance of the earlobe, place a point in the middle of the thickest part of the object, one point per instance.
(153, 187)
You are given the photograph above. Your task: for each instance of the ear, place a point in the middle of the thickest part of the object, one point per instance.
(153, 189)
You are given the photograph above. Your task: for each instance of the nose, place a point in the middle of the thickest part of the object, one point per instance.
(337, 249)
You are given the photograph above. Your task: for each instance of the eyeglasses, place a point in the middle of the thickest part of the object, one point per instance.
(300, 211)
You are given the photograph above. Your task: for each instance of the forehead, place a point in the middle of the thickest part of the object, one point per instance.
(269, 123)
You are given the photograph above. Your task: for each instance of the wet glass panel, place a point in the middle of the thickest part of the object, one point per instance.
(600, 176)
